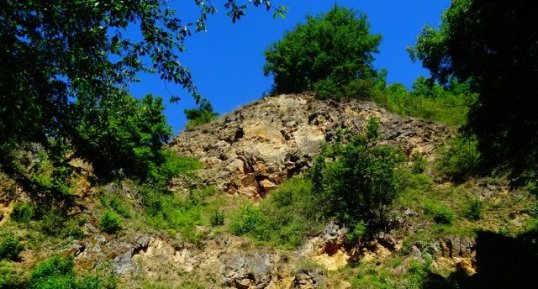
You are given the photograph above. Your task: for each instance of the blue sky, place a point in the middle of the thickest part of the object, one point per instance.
(227, 60)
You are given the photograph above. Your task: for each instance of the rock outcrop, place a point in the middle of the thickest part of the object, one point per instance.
(255, 148)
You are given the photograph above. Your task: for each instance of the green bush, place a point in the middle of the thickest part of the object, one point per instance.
(473, 211)
(52, 223)
(356, 181)
(73, 227)
(357, 231)
(57, 273)
(196, 117)
(331, 54)
(22, 212)
(419, 163)
(445, 104)
(459, 157)
(250, 221)
(167, 211)
(110, 222)
(284, 218)
(217, 219)
(53, 273)
(116, 203)
(10, 249)
(9, 279)
(441, 214)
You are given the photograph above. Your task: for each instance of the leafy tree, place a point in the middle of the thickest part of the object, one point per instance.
(493, 45)
(122, 135)
(65, 67)
(357, 181)
(326, 54)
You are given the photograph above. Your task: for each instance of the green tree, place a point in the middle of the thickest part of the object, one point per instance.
(493, 45)
(356, 181)
(65, 67)
(326, 54)
(122, 135)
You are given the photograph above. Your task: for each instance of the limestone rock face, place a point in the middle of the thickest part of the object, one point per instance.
(252, 150)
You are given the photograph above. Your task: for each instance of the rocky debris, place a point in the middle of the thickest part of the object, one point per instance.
(307, 279)
(252, 150)
(328, 248)
(451, 254)
(452, 246)
(121, 250)
(250, 270)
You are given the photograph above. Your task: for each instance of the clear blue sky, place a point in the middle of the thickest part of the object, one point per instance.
(227, 60)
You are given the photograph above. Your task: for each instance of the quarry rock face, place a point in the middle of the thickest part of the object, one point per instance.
(252, 150)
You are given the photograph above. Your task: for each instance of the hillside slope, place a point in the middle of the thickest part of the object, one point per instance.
(252, 150)
(432, 241)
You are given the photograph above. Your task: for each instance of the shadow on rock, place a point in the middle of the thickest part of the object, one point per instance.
(502, 262)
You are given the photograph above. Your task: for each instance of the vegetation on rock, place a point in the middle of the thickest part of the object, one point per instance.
(331, 54)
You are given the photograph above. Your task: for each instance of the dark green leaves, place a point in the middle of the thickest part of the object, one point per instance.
(326, 54)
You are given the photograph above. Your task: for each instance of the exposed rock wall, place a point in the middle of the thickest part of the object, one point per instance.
(255, 148)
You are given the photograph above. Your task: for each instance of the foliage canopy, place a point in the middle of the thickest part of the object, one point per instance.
(357, 181)
(325, 54)
(493, 45)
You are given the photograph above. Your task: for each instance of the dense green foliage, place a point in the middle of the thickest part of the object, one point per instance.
(10, 248)
(446, 104)
(122, 135)
(22, 212)
(491, 44)
(110, 222)
(284, 219)
(459, 158)
(357, 181)
(473, 211)
(57, 273)
(9, 279)
(441, 214)
(331, 54)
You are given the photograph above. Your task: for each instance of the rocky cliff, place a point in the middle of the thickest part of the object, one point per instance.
(252, 150)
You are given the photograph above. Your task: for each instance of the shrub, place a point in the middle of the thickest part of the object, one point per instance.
(356, 181)
(110, 222)
(447, 104)
(116, 203)
(217, 219)
(53, 273)
(10, 249)
(73, 227)
(441, 214)
(196, 117)
(419, 163)
(473, 211)
(356, 232)
(22, 212)
(331, 54)
(57, 273)
(9, 279)
(52, 223)
(120, 135)
(284, 218)
(250, 222)
(459, 157)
